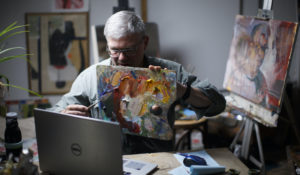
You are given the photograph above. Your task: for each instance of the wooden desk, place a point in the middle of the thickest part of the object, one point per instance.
(166, 161)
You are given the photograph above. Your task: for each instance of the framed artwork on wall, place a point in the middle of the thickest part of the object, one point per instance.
(70, 5)
(58, 44)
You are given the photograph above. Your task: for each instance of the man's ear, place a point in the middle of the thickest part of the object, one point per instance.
(146, 41)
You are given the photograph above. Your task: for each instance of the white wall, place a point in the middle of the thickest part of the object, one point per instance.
(196, 33)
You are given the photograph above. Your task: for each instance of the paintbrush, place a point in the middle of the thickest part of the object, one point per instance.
(104, 96)
(92, 105)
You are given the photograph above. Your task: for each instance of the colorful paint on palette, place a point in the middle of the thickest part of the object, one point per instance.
(134, 92)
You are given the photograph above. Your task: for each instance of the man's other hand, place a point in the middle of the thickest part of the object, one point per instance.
(155, 68)
(77, 110)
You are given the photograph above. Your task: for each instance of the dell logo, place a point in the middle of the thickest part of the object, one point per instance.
(76, 149)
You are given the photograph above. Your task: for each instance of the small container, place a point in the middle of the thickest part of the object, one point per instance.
(13, 136)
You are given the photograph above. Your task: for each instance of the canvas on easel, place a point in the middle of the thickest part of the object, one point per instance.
(127, 95)
(255, 75)
(257, 66)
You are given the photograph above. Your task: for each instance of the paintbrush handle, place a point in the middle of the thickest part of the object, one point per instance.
(92, 105)
(101, 98)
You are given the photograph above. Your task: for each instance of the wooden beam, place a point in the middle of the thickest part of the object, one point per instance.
(144, 10)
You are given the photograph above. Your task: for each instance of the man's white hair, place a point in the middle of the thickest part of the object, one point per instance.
(122, 24)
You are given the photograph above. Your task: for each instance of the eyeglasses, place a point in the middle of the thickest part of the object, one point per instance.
(127, 52)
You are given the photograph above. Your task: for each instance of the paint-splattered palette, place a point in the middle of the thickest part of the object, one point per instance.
(129, 93)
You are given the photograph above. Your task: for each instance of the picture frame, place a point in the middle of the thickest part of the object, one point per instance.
(58, 48)
(70, 5)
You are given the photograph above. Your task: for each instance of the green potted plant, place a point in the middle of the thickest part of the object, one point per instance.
(11, 30)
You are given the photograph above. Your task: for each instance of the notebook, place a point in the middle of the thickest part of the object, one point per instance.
(69, 144)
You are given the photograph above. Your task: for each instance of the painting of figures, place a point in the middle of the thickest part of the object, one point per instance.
(258, 60)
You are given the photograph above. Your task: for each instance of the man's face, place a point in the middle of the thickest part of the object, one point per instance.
(255, 57)
(250, 57)
(128, 50)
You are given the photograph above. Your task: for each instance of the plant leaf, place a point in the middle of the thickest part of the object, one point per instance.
(16, 27)
(15, 56)
(11, 27)
(19, 87)
(7, 29)
(9, 49)
(12, 34)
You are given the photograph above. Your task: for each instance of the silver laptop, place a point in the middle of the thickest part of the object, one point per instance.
(70, 144)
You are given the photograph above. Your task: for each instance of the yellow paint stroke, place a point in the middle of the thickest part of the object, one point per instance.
(166, 96)
(149, 81)
(163, 90)
(143, 109)
(149, 84)
(115, 79)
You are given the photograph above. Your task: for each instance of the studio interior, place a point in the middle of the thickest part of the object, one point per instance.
(45, 45)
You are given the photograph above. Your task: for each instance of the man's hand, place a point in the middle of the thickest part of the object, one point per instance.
(180, 88)
(77, 110)
(155, 68)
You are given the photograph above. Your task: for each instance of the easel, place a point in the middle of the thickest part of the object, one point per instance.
(249, 125)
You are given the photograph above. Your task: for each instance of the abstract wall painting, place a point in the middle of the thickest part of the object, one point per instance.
(259, 58)
(58, 44)
(129, 93)
(70, 5)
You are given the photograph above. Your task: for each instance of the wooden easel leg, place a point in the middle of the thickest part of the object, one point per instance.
(261, 162)
(237, 136)
(248, 126)
(247, 138)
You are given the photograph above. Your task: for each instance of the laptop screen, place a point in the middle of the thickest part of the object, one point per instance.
(69, 144)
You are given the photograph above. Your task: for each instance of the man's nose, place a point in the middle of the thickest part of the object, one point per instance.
(122, 56)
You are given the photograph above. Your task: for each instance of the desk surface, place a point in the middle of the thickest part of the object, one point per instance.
(166, 161)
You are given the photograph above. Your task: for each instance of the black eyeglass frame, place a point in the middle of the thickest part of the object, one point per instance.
(127, 52)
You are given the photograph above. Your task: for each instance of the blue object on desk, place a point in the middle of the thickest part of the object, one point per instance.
(200, 169)
(210, 166)
(190, 160)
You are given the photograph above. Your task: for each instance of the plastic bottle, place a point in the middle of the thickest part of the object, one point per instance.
(13, 136)
(197, 140)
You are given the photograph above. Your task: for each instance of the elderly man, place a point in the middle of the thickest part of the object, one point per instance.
(127, 41)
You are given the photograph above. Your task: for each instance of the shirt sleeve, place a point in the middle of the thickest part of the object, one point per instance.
(210, 91)
(83, 91)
